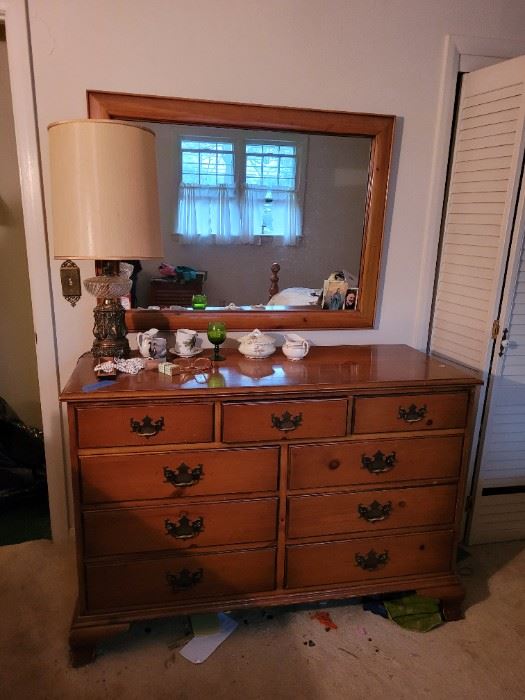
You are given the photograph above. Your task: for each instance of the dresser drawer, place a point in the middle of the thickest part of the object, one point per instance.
(129, 477)
(145, 424)
(374, 461)
(128, 530)
(386, 414)
(278, 420)
(366, 559)
(178, 579)
(369, 511)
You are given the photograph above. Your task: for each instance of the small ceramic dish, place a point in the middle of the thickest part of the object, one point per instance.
(195, 351)
(259, 353)
(256, 345)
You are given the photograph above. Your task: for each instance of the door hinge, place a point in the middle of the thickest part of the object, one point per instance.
(495, 329)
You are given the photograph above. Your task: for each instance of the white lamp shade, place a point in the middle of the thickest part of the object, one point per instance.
(104, 191)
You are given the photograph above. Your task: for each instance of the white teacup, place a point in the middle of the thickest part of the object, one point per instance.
(295, 347)
(186, 341)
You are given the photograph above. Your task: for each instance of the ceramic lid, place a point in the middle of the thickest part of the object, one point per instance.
(257, 337)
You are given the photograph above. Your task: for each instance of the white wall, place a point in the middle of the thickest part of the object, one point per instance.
(18, 372)
(357, 55)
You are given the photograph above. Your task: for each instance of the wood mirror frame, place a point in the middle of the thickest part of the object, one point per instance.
(380, 128)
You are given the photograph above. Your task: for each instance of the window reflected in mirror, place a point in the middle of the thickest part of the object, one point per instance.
(234, 201)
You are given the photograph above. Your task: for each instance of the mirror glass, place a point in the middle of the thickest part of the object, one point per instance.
(251, 193)
(235, 201)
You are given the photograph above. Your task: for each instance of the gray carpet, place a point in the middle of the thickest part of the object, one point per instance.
(285, 656)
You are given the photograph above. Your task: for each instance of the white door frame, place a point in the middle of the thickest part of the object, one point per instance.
(14, 14)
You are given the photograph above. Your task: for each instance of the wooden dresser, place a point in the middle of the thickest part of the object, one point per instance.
(267, 482)
(165, 291)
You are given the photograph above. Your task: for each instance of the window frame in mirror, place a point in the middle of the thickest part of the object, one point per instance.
(380, 128)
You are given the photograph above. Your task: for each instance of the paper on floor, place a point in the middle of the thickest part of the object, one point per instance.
(200, 647)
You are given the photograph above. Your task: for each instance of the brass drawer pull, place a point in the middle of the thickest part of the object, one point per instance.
(378, 463)
(147, 427)
(375, 511)
(371, 561)
(184, 528)
(412, 414)
(183, 476)
(184, 579)
(287, 422)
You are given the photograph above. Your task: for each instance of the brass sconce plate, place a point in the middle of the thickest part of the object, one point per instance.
(70, 279)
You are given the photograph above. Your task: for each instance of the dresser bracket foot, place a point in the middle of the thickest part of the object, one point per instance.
(83, 640)
(451, 597)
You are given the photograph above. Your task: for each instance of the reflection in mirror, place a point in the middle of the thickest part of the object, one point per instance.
(234, 201)
(269, 209)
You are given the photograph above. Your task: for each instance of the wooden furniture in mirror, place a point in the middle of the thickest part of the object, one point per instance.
(377, 130)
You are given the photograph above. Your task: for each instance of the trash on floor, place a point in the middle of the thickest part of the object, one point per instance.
(210, 638)
(375, 606)
(324, 619)
(205, 623)
(415, 612)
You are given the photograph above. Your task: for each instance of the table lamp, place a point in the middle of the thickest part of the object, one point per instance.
(105, 207)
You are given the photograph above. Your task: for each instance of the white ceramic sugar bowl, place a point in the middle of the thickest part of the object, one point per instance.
(295, 346)
(257, 345)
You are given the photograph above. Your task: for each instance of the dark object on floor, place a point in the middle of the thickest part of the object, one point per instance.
(376, 603)
(415, 612)
(22, 458)
(375, 606)
(24, 510)
(25, 519)
(462, 554)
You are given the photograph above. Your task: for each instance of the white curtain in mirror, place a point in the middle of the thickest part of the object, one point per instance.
(276, 212)
(213, 215)
(240, 190)
(208, 214)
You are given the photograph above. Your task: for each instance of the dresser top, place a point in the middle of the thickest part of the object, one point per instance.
(343, 367)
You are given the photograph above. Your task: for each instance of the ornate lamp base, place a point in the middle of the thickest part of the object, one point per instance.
(110, 330)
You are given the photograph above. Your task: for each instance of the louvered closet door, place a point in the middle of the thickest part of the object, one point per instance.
(479, 212)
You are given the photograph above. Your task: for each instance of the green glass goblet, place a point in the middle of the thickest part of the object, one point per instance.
(216, 335)
(199, 301)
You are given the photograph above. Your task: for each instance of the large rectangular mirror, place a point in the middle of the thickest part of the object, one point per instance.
(264, 203)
